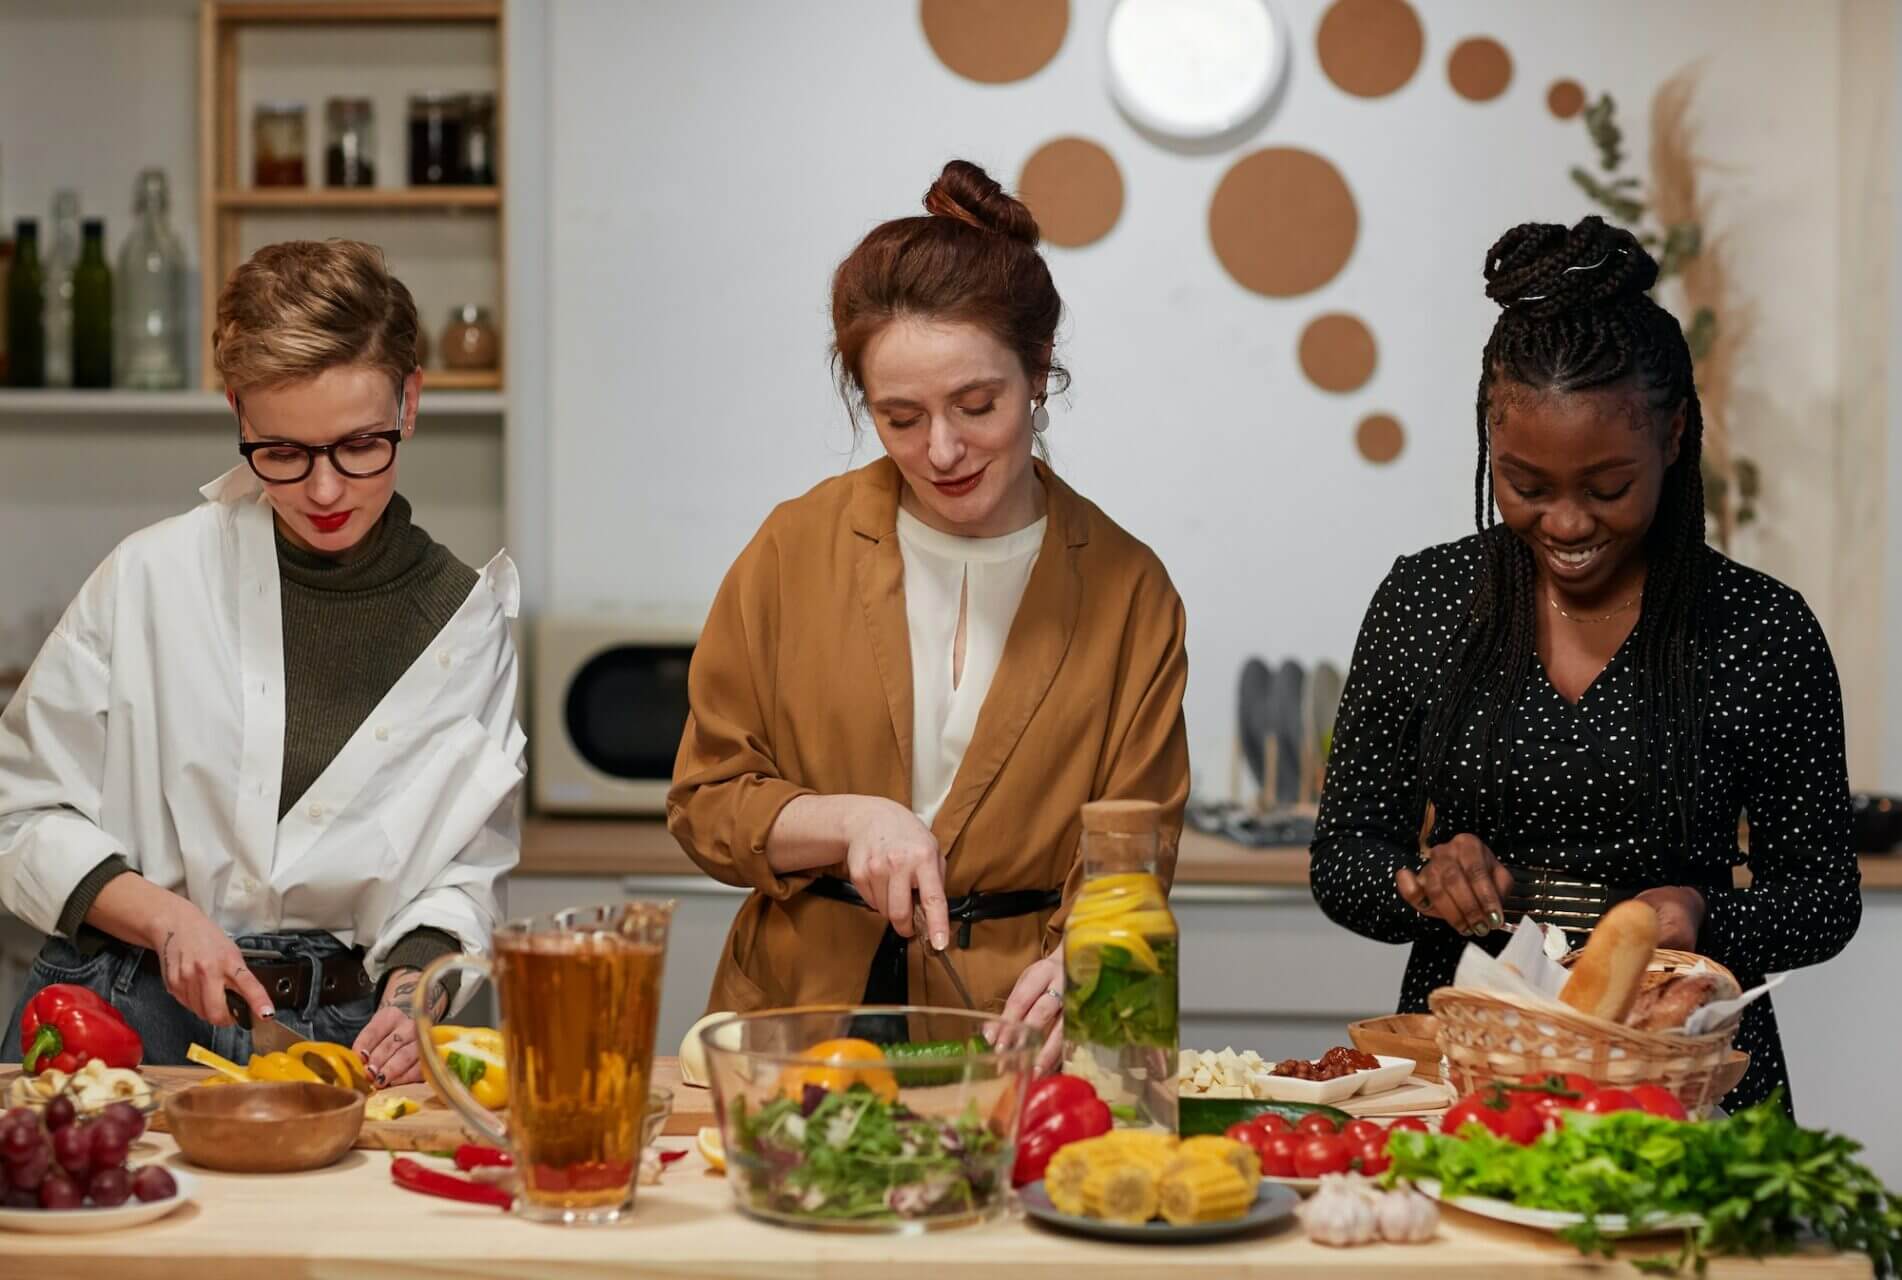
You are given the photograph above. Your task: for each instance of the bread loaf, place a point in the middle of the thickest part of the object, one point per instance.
(1605, 981)
(1670, 1003)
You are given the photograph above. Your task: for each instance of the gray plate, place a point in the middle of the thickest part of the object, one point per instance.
(1272, 1204)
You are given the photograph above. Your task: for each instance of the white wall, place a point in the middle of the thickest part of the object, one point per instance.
(712, 162)
(1892, 576)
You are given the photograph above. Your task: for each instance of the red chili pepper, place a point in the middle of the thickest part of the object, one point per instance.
(411, 1176)
(66, 1026)
(470, 1156)
(1063, 1114)
(668, 1157)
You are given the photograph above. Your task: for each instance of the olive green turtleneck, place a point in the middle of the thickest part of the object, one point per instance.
(353, 624)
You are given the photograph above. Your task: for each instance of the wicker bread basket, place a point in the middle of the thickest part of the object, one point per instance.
(1486, 1035)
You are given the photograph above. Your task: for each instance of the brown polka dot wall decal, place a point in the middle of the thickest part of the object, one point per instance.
(1480, 68)
(1369, 48)
(1379, 438)
(995, 41)
(1283, 221)
(1337, 352)
(1074, 190)
(1565, 99)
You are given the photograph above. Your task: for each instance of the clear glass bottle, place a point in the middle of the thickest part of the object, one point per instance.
(56, 265)
(92, 311)
(149, 329)
(26, 309)
(349, 143)
(1120, 961)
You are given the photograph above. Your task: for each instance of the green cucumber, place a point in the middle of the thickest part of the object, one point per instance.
(1195, 1116)
(923, 1052)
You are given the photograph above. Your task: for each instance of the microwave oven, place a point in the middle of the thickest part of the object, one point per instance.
(610, 704)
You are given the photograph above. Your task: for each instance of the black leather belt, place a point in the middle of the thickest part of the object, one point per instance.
(888, 983)
(287, 982)
(1569, 900)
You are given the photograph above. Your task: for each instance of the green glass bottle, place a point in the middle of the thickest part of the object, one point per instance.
(92, 311)
(26, 309)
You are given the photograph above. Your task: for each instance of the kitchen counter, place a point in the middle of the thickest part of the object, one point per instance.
(587, 846)
(349, 1220)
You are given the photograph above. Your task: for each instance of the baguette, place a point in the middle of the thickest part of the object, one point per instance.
(1605, 981)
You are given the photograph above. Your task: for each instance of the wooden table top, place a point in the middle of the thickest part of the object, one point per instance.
(641, 846)
(349, 1220)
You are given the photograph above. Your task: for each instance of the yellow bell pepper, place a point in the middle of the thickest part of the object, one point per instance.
(343, 1067)
(474, 1055)
(281, 1066)
(835, 1075)
(390, 1107)
(225, 1067)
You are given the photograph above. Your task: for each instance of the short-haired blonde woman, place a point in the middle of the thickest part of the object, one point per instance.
(269, 755)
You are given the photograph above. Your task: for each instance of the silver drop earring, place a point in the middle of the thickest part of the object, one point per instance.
(1040, 419)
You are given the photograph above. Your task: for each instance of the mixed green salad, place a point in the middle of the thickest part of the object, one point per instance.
(852, 1155)
(1761, 1183)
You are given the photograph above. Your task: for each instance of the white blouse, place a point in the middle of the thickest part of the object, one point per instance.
(987, 577)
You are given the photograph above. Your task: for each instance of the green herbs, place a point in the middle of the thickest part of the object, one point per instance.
(1121, 1003)
(852, 1155)
(1761, 1183)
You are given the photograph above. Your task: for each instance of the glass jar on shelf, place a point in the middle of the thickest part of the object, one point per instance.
(278, 143)
(478, 140)
(470, 343)
(349, 143)
(435, 139)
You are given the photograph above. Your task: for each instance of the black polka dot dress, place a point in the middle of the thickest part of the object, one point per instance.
(1772, 746)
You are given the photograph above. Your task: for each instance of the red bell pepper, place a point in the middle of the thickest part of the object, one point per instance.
(1060, 1110)
(67, 1026)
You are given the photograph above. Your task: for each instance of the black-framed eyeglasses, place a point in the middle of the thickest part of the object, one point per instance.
(366, 454)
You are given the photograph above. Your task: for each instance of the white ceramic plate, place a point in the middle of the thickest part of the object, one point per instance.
(1612, 1224)
(1391, 1073)
(75, 1221)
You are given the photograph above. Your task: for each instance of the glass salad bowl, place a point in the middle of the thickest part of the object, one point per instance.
(869, 1119)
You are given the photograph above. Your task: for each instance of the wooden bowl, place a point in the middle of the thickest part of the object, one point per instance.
(265, 1128)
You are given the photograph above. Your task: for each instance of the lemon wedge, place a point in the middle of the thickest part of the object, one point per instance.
(712, 1149)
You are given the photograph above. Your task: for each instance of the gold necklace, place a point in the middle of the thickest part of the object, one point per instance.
(1602, 617)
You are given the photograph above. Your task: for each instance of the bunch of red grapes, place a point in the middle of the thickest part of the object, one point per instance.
(51, 1161)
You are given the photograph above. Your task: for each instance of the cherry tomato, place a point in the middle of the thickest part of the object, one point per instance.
(1316, 1124)
(1522, 1124)
(1606, 1101)
(1472, 1111)
(1277, 1154)
(1415, 1123)
(1658, 1101)
(1242, 1131)
(1370, 1155)
(1271, 1122)
(1356, 1130)
(1322, 1153)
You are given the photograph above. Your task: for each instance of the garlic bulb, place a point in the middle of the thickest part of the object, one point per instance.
(1406, 1217)
(1341, 1212)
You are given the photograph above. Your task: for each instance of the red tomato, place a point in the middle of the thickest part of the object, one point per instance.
(1317, 1124)
(1657, 1101)
(1370, 1155)
(1414, 1123)
(1321, 1153)
(1522, 1124)
(1471, 1110)
(1277, 1154)
(1606, 1101)
(1242, 1131)
(1356, 1130)
(1271, 1122)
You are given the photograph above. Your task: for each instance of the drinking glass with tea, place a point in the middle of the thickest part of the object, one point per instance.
(579, 993)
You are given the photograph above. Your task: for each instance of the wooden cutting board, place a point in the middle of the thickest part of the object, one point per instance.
(1415, 1097)
(435, 1127)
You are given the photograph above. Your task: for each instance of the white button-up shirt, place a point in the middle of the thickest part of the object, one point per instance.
(152, 726)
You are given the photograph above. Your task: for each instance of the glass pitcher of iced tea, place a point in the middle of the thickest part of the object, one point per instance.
(579, 993)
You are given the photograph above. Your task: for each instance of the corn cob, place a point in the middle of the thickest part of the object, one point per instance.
(1202, 1191)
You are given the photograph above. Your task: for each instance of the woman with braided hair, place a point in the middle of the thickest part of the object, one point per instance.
(1587, 694)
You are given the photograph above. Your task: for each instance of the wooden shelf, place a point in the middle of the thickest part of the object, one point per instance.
(440, 400)
(346, 11)
(458, 380)
(372, 199)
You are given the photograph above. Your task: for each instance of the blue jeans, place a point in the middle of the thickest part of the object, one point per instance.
(167, 1027)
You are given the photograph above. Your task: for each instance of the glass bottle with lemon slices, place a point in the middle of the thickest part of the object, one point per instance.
(1120, 967)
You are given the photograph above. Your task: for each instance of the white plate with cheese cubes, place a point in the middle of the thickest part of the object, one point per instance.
(1229, 1074)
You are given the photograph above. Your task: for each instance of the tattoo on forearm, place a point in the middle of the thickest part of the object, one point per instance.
(402, 990)
(165, 951)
